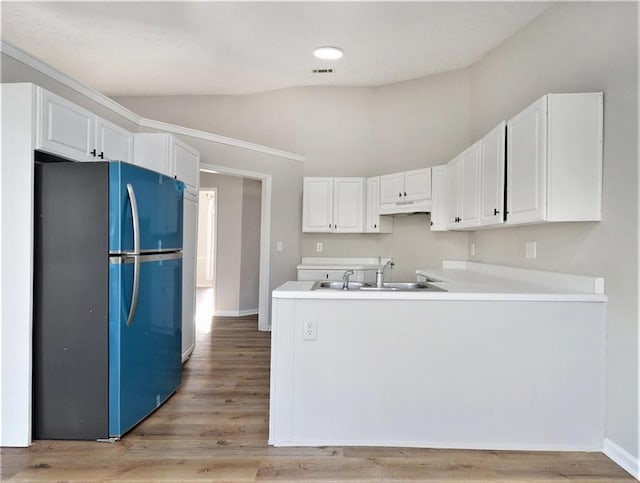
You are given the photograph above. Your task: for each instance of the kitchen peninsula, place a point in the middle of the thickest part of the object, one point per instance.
(504, 358)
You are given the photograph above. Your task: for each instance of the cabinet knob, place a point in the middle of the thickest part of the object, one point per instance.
(495, 211)
(405, 194)
(399, 195)
(432, 223)
(93, 153)
(375, 225)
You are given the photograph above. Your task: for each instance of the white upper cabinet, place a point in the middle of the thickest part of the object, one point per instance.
(70, 131)
(112, 142)
(554, 160)
(333, 205)
(374, 223)
(439, 198)
(186, 162)
(317, 205)
(463, 189)
(64, 128)
(405, 192)
(168, 155)
(492, 182)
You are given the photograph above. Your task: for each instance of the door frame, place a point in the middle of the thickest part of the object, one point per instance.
(265, 235)
(214, 229)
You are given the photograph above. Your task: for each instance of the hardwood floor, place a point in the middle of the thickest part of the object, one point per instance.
(215, 429)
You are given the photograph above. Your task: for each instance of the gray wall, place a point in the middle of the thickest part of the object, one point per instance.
(238, 241)
(575, 47)
(250, 258)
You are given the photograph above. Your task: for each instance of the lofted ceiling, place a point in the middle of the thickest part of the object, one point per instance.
(182, 48)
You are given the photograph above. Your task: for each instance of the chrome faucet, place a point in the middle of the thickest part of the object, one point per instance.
(345, 279)
(380, 273)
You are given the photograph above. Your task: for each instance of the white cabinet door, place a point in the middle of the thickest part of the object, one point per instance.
(317, 205)
(189, 253)
(453, 176)
(469, 187)
(492, 176)
(392, 188)
(348, 205)
(112, 142)
(417, 184)
(151, 151)
(64, 128)
(526, 164)
(439, 198)
(186, 163)
(374, 223)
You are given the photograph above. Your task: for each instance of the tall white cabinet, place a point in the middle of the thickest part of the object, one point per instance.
(167, 154)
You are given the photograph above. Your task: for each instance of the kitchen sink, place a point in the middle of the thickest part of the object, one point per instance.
(334, 285)
(386, 286)
(404, 287)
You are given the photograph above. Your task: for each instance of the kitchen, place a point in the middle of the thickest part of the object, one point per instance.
(568, 48)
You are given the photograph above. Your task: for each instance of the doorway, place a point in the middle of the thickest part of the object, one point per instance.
(206, 258)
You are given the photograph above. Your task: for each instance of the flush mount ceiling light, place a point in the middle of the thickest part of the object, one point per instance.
(328, 53)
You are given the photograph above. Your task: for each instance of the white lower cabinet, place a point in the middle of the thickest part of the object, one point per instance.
(554, 160)
(333, 205)
(189, 254)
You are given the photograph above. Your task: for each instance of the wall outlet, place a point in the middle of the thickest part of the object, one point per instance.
(279, 246)
(530, 250)
(319, 247)
(472, 249)
(309, 330)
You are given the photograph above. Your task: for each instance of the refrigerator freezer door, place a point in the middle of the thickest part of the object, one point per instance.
(144, 356)
(159, 202)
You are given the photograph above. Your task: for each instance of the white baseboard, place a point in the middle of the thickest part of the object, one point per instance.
(622, 458)
(235, 313)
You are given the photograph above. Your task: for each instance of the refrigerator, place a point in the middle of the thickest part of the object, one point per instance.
(107, 296)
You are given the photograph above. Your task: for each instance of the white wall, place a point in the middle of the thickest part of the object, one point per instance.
(576, 47)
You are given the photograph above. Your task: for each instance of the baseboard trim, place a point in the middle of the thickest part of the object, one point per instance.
(622, 458)
(235, 313)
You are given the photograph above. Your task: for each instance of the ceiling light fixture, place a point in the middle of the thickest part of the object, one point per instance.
(328, 53)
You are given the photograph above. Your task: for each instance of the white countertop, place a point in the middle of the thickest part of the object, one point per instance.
(473, 281)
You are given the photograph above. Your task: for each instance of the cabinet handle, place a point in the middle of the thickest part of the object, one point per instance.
(93, 153)
(375, 225)
(495, 211)
(101, 155)
(405, 194)
(399, 195)
(432, 223)
(326, 275)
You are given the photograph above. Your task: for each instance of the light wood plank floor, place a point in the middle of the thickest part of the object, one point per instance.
(215, 429)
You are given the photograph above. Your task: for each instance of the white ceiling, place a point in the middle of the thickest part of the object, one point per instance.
(171, 48)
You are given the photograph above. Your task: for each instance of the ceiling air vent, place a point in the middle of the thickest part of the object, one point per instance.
(322, 71)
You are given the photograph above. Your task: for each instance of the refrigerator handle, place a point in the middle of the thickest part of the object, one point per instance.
(135, 254)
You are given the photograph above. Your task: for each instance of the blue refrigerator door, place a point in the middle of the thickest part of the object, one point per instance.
(145, 355)
(159, 200)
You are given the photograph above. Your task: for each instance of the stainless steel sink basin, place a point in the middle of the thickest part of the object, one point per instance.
(404, 287)
(386, 287)
(334, 285)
